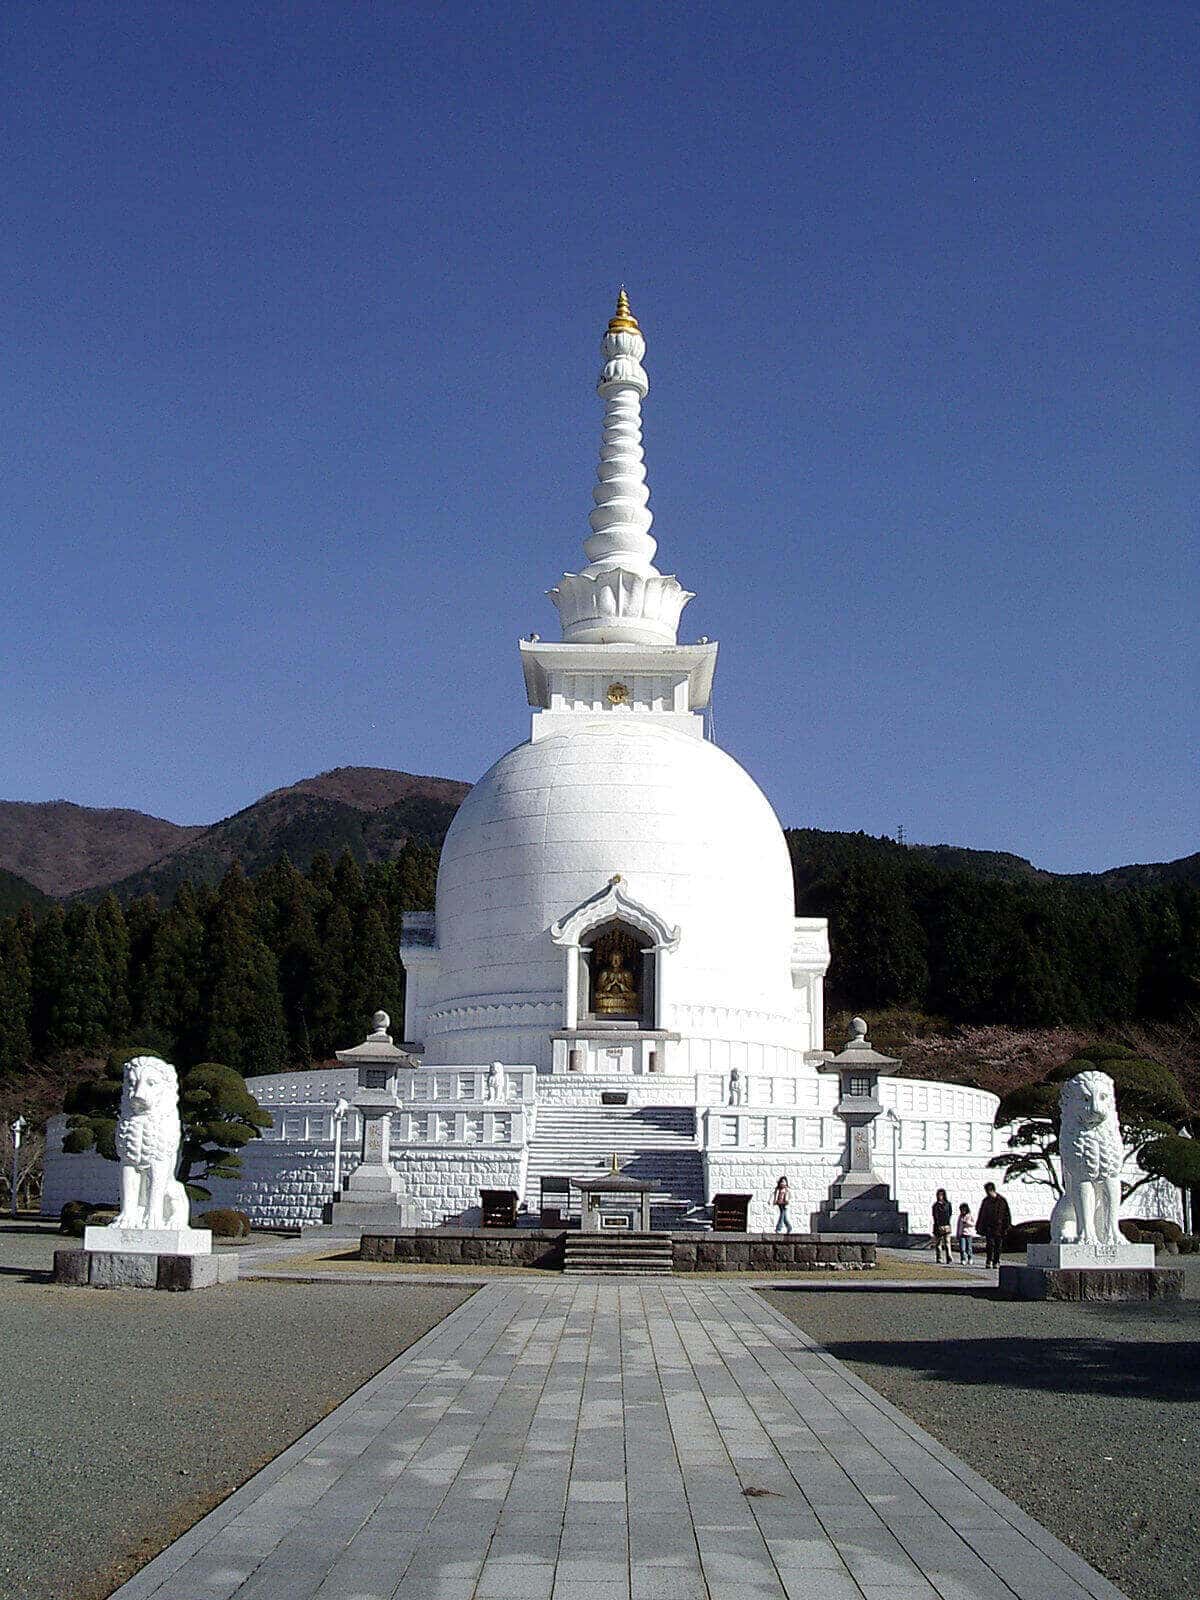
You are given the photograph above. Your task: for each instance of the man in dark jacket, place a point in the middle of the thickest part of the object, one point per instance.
(993, 1222)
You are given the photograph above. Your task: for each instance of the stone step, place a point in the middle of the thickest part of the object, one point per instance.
(655, 1144)
(640, 1254)
(619, 1257)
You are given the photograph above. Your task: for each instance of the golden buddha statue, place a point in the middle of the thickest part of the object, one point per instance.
(615, 990)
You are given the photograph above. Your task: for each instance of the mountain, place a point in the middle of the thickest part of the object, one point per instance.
(998, 864)
(1185, 870)
(377, 788)
(813, 847)
(61, 848)
(370, 811)
(982, 863)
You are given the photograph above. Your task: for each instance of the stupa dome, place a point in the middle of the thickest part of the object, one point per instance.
(690, 834)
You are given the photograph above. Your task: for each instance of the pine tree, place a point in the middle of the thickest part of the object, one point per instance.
(16, 997)
(236, 890)
(244, 1026)
(112, 931)
(327, 995)
(407, 883)
(172, 979)
(220, 1116)
(142, 918)
(85, 1000)
(373, 980)
(49, 961)
(298, 953)
(349, 890)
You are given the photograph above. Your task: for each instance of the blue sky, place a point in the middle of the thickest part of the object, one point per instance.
(301, 316)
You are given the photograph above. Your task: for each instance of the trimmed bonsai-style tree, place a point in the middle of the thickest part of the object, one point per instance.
(1151, 1105)
(218, 1114)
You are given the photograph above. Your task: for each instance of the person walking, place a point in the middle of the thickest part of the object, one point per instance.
(780, 1199)
(964, 1230)
(995, 1219)
(942, 1214)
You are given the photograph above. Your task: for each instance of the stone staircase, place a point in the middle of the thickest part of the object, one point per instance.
(627, 1255)
(656, 1144)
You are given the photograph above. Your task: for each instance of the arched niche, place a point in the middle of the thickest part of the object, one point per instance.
(610, 922)
(617, 975)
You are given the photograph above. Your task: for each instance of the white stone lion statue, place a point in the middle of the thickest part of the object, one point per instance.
(1092, 1154)
(147, 1140)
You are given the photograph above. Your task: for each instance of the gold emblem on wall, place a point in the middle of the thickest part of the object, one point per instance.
(617, 694)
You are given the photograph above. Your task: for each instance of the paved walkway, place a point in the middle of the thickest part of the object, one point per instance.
(609, 1440)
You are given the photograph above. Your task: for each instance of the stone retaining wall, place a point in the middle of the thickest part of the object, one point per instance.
(452, 1247)
(543, 1247)
(756, 1252)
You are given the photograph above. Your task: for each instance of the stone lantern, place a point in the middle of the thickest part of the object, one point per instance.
(860, 1201)
(374, 1199)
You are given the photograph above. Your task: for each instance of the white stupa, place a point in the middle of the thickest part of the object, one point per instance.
(615, 895)
(615, 968)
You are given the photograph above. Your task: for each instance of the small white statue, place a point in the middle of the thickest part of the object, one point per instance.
(739, 1087)
(1092, 1155)
(497, 1082)
(147, 1140)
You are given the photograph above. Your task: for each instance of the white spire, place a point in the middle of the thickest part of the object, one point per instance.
(622, 518)
(621, 598)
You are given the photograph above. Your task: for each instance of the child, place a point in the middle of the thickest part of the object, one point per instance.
(964, 1231)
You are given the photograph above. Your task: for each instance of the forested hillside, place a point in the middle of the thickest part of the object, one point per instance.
(256, 973)
(64, 849)
(287, 966)
(1029, 950)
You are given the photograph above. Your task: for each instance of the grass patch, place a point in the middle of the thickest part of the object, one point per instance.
(891, 1269)
(347, 1261)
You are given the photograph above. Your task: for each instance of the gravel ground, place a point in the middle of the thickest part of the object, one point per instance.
(1087, 1416)
(129, 1414)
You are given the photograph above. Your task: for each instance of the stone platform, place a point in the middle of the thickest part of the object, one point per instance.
(1091, 1283)
(139, 1269)
(690, 1252)
(1109, 1272)
(468, 1247)
(1108, 1256)
(149, 1241)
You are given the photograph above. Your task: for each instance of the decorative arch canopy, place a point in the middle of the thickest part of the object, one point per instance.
(613, 903)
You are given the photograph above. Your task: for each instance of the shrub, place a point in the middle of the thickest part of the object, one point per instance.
(1189, 1245)
(1158, 1231)
(1170, 1232)
(77, 1214)
(1023, 1234)
(226, 1223)
(1131, 1231)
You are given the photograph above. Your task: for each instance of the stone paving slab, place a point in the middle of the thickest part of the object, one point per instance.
(600, 1440)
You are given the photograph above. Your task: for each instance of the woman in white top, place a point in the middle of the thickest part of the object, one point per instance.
(780, 1199)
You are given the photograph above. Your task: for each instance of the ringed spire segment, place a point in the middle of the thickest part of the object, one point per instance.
(620, 597)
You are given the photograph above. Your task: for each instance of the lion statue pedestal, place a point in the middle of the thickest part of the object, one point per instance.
(150, 1244)
(1088, 1258)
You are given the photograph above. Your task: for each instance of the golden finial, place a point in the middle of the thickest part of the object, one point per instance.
(624, 321)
